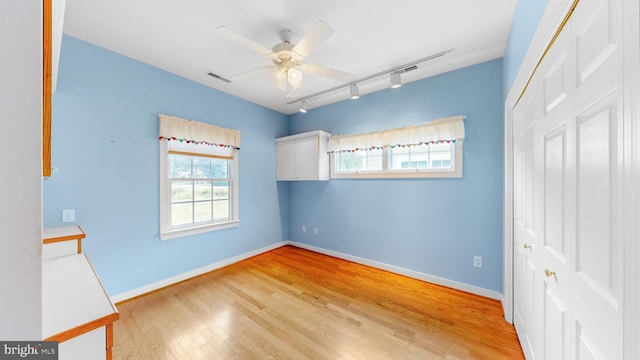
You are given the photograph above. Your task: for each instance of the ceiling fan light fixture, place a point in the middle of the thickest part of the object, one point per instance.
(303, 107)
(396, 81)
(294, 76)
(354, 91)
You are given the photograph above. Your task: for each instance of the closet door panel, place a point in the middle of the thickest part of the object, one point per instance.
(556, 322)
(526, 280)
(597, 282)
(553, 136)
(598, 269)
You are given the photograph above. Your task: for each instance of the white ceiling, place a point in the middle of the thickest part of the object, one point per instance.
(370, 36)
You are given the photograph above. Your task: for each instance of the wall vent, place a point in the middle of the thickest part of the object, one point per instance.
(216, 76)
(410, 68)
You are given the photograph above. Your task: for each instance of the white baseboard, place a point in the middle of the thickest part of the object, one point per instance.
(220, 264)
(193, 273)
(406, 272)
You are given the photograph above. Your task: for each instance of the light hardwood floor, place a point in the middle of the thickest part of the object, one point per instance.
(291, 303)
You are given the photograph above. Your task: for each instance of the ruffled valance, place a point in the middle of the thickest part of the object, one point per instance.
(183, 130)
(449, 129)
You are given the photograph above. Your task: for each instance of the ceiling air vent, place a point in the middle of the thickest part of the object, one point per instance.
(410, 68)
(216, 76)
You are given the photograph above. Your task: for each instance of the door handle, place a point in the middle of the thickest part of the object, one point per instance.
(549, 273)
(527, 246)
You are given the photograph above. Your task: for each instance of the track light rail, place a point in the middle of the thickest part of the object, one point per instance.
(399, 69)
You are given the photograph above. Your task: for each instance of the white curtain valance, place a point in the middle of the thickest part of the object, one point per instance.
(449, 129)
(175, 128)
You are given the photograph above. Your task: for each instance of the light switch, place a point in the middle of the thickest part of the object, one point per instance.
(68, 215)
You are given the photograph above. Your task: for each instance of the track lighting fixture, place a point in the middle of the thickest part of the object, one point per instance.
(394, 73)
(396, 81)
(355, 92)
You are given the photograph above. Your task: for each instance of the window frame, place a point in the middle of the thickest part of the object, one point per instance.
(167, 231)
(388, 173)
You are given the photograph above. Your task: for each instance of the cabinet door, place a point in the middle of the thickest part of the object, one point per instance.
(286, 160)
(306, 154)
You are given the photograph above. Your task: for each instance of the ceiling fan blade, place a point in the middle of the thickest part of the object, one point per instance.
(243, 40)
(261, 71)
(319, 32)
(272, 72)
(325, 72)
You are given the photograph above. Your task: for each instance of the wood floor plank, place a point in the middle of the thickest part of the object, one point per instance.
(292, 303)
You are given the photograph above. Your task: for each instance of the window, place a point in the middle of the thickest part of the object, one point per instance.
(420, 161)
(198, 187)
(428, 150)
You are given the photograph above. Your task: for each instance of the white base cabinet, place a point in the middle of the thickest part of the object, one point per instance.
(302, 157)
(76, 310)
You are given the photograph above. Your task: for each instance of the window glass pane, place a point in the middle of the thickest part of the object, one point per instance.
(410, 157)
(348, 161)
(202, 190)
(220, 190)
(374, 160)
(359, 161)
(181, 191)
(400, 161)
(221, 209)
(202, 211)
(179, 166)
(420, 156)
(181, 214)
(433, 156)
(396, 151)
(441, 156)
(220, 168)
(201, 168)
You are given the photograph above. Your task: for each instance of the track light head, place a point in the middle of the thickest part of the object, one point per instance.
(303, 107)
(354, 91)
(396, 81)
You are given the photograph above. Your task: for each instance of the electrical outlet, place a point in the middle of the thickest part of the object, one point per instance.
(477, 261)
(68, 215)
(315, 231)
(304, 228)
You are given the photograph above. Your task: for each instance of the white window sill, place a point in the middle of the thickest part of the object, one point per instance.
(178, 233)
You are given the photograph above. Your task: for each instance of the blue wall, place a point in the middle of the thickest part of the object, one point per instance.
(523, 26)
(105, 143)
(432, 226)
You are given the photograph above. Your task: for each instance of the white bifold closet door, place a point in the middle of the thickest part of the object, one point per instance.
(568, 172)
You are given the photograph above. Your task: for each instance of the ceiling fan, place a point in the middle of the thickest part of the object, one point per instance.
(288, 57)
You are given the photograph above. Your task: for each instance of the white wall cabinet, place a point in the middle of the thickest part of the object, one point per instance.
(302, 157)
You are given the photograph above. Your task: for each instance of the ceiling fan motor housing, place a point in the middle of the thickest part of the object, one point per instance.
(284, 55)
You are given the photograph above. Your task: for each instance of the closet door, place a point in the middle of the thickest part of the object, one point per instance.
(526, 282)
(597, 113)
(568, 181)
(554, 136)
